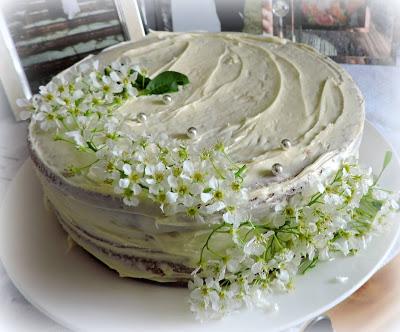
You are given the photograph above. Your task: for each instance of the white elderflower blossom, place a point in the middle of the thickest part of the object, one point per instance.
(157, 177)
(254, 247)
(107, 87)
(129, 185)
(47, 117)
(125, 75)
(27, 108)
(77, 137)
(233, 216)
(327, 221)
(235, 257)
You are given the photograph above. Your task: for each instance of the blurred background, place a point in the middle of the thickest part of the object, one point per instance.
(40, 38)
(51, 35)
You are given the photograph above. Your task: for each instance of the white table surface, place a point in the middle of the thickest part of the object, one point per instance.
(380, 86)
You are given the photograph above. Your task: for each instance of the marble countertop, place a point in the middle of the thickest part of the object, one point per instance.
(379, 84)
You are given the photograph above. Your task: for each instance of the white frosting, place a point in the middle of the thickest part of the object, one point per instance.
(250, 92)
(107, 233)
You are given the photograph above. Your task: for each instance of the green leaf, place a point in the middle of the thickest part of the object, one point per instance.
(240, 172)
(370, 206)
(387, 159)
(167, 81)
(365, 214)
(386, 162)
(107, 70)
(141, 82)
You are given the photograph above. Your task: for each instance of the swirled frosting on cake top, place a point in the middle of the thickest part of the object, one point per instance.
(249, 92)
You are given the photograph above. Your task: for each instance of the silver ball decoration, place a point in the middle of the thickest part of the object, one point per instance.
(191, 132)
(141, 117)
(286, 144)
(167, 99)
(277, 169)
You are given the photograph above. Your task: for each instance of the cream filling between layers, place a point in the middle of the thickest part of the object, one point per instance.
(125, 232)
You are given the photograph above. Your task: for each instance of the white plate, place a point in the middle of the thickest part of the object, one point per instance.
(82, 294)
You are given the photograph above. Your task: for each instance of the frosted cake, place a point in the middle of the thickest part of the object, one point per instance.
(281, 108)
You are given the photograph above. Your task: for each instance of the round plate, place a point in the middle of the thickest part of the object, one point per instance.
(82, 294)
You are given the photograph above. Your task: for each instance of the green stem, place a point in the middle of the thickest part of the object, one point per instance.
(206, 245)
(92, 146)
(62, 139)
(217, 170)
(278, 242)
(64, 125)
(91, 164)
(314, 199)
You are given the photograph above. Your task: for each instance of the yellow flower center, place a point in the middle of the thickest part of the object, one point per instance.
(159, 177)
(218, 195)
(182, 190)
(198, 177)
(134, 177)
(192, 211)
(235, 186)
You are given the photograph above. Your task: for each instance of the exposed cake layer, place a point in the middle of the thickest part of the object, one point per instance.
(133, 244)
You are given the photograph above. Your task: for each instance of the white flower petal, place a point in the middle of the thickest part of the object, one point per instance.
(213, 183)
(206, 197)
(284, 276)
(123, 183)
(171, 197)
(215, 207)
(253, 247)
(76, 136)
(114, 76)
(172, 181)
(233, 265)
(127, 169)
(188, 167)
(150, 170)
(136, 189)
(257, 267)
(268, 234)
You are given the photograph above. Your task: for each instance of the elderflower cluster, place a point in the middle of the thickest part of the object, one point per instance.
(80, 111)
(73, 101)
(175, 177)
(262, 257)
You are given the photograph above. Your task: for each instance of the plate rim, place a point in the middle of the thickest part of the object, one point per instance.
(297, 322)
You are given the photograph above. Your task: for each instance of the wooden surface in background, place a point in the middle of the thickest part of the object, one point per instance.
(26, 33)
(68, 40)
